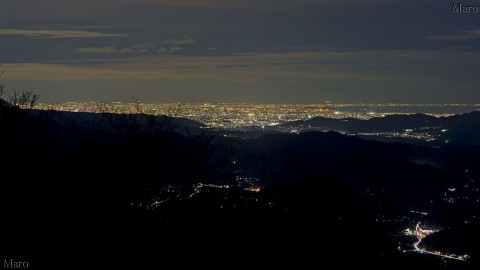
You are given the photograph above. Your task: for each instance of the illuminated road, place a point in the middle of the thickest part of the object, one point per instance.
(181, 193)
(419, 238)
(422, 233)
(196, 190)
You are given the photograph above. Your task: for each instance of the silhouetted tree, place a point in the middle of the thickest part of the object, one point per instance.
(19, 130)
(17, 104)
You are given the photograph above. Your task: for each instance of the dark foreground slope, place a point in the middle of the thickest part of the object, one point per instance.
(75, 193)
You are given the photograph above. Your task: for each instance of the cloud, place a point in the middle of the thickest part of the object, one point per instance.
(212, 49)
(244, 4)
(465, 35)
(55, 33)
(170, 49)
(403, 67)
(142, 45)
(109, 49)
(126, 50)
(184, 40)
(174, 49)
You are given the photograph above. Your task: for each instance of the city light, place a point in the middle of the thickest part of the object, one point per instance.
(235, 115)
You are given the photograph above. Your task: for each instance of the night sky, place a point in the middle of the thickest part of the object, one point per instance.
(264, 51)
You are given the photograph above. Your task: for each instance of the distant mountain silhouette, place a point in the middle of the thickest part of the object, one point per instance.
(361, 164)
(458, 129)
(380, 124)
(64, 115)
